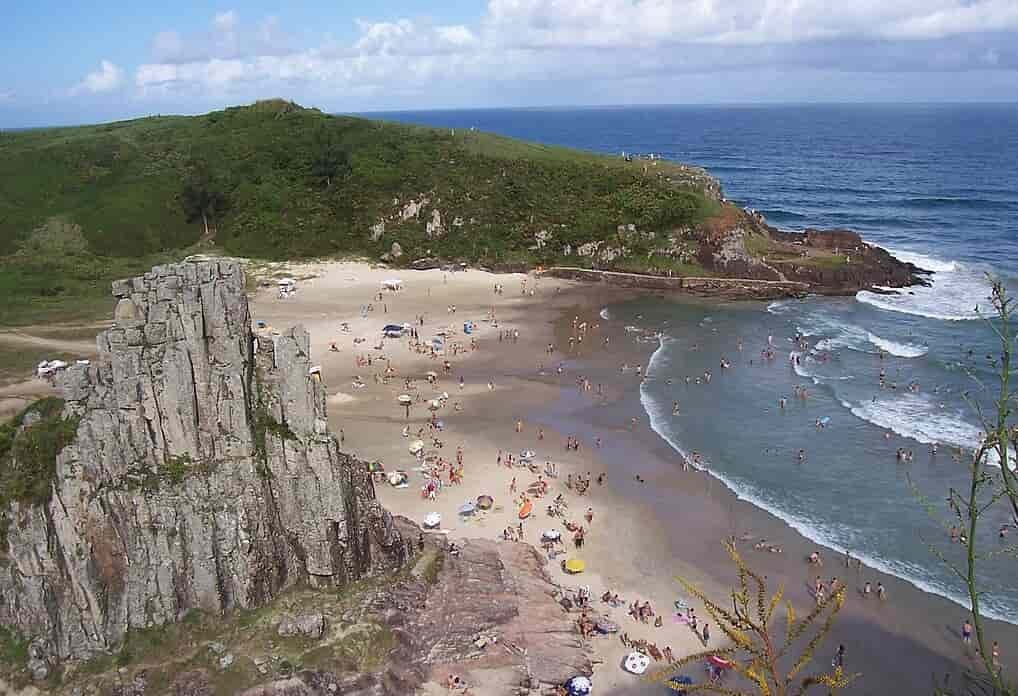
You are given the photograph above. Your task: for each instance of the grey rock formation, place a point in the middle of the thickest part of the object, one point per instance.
(202, 475)
(306, 625)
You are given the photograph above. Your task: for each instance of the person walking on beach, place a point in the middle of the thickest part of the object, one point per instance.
(589, 516)
(839, 658)
(881, 592)
(706, 634)
(966, 632)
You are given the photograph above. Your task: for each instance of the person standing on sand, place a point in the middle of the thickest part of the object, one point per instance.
(881, 592)
(706, 634)
(589, 516)
(512, 485)
(966, 633)
(839, 658)
(519, 426)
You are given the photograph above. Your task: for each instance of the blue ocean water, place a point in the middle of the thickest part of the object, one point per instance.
(935, 184)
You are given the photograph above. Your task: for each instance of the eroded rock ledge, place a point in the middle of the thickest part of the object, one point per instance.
(202, 476)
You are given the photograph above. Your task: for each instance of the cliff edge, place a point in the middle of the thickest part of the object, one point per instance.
(200, 475)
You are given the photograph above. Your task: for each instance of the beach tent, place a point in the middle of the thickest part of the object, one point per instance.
(468, 327)
(393, 284)
(579, 686)
(432, 520)
(636, 663)
(574, 566)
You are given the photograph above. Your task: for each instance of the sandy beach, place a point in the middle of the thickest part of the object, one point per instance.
(509, 394)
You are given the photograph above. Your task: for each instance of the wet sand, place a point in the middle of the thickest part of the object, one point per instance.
(642, 535)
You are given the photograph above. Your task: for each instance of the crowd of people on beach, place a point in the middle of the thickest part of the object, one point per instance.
(545, 489)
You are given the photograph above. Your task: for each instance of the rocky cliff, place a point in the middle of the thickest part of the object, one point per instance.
(202, 476)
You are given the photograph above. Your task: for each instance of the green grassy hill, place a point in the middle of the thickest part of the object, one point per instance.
(80, 206)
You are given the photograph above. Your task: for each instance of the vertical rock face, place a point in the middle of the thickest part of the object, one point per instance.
(202, 476)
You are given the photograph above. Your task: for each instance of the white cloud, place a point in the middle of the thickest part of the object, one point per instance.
(587, 41)
(106, 79)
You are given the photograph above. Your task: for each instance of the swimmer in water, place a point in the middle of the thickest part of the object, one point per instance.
(675, 408)
(802, 456)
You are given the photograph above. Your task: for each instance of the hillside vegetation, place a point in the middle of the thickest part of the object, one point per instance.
(80, 206)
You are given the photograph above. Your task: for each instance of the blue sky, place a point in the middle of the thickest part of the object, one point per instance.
(77, 62)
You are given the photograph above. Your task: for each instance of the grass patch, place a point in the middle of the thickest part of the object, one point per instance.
(28, 458)
(13, 648)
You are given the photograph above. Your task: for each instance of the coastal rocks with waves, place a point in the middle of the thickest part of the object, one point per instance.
(199, 475)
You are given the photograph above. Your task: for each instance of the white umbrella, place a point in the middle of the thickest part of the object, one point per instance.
(636, 663)
(467, 508)
(432, 520)
(551, 535)
(527, 455)
(579, 686)
(434, 405)
(416, 446)
(405, 399)
(432, 374)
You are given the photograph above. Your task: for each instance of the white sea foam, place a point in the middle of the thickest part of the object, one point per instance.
(604, 314)
(957, 293)
(902, 350)
(919, 418)
(778, 307)
(841, 334)
(833, 536)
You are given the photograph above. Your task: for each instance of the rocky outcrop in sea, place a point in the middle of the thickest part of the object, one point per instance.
(202, 475)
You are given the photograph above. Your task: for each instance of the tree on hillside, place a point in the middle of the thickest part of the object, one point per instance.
(330, 160)
(203, 196)
(772, 663)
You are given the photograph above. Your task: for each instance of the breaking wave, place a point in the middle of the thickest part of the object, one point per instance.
(957, 292)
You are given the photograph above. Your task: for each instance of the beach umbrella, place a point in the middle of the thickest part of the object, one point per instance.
(432, 374)
(397, 478)
(467, 508)
(579, 686)
(606, 625)
(434, 405)
(527, 455)
(416, 446)
(636, 663)
(405, 399)
(440, 424)
(574, 566)
(432, 520)
(484, 502)
(551, 535)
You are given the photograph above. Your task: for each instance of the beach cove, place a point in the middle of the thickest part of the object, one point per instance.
(641, 535)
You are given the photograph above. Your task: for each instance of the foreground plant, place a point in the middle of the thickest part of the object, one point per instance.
(759, 653)
(988, 488)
